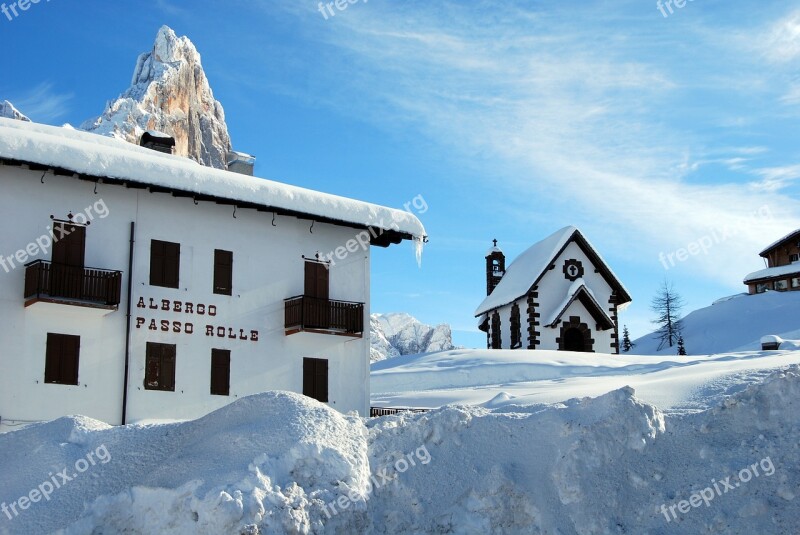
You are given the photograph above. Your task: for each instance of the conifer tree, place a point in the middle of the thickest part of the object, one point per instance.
(626, 340)
(667, 304)
(681, 348)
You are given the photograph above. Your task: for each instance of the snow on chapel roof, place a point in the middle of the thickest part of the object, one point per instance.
(104, 157)
(528, 267)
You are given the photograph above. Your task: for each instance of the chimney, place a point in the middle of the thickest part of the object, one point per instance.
(157, 141)
(239, 162)
(495, 267)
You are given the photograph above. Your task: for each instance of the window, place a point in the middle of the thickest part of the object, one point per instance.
(516, 328)
(223, 272)
(165, 262)
(796, 282)
(781, 285)
(762, 287)
(160, 367)
(315, 379)
(497, 342)
(220, 372)
(794, 258)
(61, 359)
(317, 281)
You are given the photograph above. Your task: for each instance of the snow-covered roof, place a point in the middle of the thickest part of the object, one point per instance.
(768, 273)
(104, 157)
(158, 134)
(579, 290)
(778, 242)
(529, 267)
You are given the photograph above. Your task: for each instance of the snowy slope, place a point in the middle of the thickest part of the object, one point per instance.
(396, 334)
(733, 323)
(273, 463)
(169, 93)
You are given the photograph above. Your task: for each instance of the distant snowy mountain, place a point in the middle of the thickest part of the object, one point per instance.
(169, 93)
(731, 324)
(8, 111)
(392, 335)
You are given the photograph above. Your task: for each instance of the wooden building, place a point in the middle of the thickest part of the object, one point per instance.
(559, 294)
(138, 285)
(783, 267)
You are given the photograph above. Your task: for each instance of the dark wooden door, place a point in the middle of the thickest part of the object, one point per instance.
(69, 252)
(317, 280)
(316, 306)
(315, 379)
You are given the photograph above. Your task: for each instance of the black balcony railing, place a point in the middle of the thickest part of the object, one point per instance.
(72, 285)
(310, 313)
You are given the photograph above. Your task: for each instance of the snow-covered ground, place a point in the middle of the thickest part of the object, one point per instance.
(736, 323)
(282, 463)
(504, 377)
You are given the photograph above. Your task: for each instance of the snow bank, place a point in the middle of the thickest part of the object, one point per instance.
(592, 466)
(272, 460)
(273, 463)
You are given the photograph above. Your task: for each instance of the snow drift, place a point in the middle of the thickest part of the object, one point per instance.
(271, 463)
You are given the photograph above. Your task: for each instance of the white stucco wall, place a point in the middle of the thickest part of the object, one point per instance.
(268, 268)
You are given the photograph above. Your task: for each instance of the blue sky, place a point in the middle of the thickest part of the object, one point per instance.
(649, 133)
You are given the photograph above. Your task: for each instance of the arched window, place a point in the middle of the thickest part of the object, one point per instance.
(496, 338)
(516, 328)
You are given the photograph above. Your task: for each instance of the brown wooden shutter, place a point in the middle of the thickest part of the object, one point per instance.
(220, 372)
(168, 368)
(160, 367)
(223, 272)
(172, 264)
(52, 369)
(156, 263)
(315, 379)
(165, 262)
(69, 358)
(152, 366)
(62, 359)
(323, 290)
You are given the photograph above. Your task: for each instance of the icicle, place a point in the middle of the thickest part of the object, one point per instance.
(419, 245)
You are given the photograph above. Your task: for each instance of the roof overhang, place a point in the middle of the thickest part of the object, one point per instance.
(792, 236)
(599, 315)
(378, 236)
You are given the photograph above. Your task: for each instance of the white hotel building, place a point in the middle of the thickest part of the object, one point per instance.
(174, 288)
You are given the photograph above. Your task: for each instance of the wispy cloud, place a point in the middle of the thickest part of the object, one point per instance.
(776, 178)
(782, 42)
(43, 104)
(646, 133)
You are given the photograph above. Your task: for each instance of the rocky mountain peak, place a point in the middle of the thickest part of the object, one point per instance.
(8, 111)
(169, 93)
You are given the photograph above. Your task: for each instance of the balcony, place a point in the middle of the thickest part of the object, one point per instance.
(69, 285)
(310, 314)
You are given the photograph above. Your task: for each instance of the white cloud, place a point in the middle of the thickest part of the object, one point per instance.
(574, 112)
(782, 41)
(42, 104)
